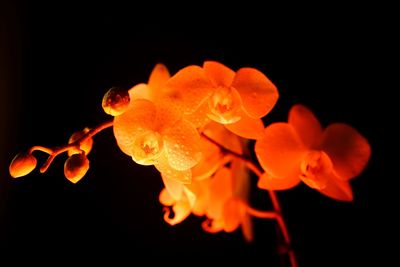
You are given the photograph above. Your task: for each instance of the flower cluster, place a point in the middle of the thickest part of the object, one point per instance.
(194, 128)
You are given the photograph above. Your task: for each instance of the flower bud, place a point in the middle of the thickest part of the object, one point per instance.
(76, 167)
(116, 101)
(85, 146)
(22, 164)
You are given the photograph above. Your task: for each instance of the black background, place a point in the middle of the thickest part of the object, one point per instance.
(59, 59)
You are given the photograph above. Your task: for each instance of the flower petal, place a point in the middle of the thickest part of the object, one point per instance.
(139, 91)
(188, 89)
(219, 74)
(158, 78)
(181, 212)
(247, 228)
(199, 118)
(220, 191)
(280, 150)
(173, 187)
(232, 213)
(338, 190)
(268, 182)
(247, 127)
(306, 125)
(165, 198)
(348, 150)
(138, 119)
(168, 172)
(182, 145)
(258, 93)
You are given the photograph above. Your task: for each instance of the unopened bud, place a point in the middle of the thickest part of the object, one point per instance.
(22, 164)
(76, 167)
(116, 101)
(85, 146)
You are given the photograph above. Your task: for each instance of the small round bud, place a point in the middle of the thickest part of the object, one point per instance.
(85, 146)
(116, 101)
(22, 164)
(76, 167)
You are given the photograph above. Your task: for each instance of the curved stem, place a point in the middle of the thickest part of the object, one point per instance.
(272, 194)
(54, 152)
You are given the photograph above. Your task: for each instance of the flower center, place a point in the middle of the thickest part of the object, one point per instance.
(147, 148)
(224, 105)
(315, 169)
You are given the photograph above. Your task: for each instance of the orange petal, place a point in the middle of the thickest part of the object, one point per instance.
(181, 212)
(247, 228)
(199, 118)
(241, 179)
(182, 145)
(348, 150)
(200, 189)
(190, 196)
(316, 169)
(167, 171)
(306, 125)
(220, 191)
(219, 74)
(210, 161)
(247, 127)
(232, 213)
(258, 93)
(221, 135)
(140, 91)
(338, 190)
(188, 89)
(268, 182)
(158, 78)
(173, 187)
(280, 150)
(138, 119)
(165, 198)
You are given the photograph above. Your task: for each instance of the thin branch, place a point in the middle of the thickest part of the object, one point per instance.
(54, 152)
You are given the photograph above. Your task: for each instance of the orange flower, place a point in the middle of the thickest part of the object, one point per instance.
(226, 209)
(156, 135)
(237, 100)
(301, 150)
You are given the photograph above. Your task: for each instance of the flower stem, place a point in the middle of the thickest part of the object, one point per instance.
(54, 152)
(276, 214)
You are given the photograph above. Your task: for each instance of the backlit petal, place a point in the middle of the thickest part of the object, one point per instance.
(348, 150)
(219, 74)
(138, 119)
(165, 198)
(158, 78)
(140, 91)
(167, 171)
(173, 187)
(232, 213)
(247, 127)
(280, 150)
(247, 227)
(188, 89)
(182, 145)
(306, 125)
(338, 190)
(268, 182)
(258, 93)
(220, 191)
(181, 212)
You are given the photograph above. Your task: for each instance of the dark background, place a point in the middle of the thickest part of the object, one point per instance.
(58, 60)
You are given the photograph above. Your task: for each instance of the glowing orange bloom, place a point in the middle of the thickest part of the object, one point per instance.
(226, 209)
(301, 150)
(156, 135)
(237, 100)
